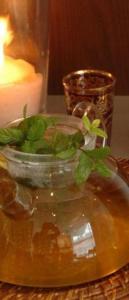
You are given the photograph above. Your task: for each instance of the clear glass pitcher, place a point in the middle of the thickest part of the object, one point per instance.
(54, 232)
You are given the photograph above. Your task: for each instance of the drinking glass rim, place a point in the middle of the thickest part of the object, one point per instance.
(92, 71)
(33, 158)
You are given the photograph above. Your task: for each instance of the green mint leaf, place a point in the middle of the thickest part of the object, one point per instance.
(99, 132)
(28, 147)
(98, 153)
(10, 135)
(60, 142)
(36, 130)
(50, 121)
(96, 123)
(84, 168)
(25, 124)
(86, 123)
(43, 147)
(28, 122)
(67, 154)
(25, 111)
(40, 146)
(77, 139)
(93, 127)
(35, 121)
(102, 169)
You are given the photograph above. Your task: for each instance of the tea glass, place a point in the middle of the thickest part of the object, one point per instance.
(91, 92)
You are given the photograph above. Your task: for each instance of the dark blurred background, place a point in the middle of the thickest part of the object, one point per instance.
(89, 34)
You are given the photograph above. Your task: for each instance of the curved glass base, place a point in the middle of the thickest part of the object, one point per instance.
(66, 242)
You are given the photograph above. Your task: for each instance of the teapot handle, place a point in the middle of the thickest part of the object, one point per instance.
(89, 109)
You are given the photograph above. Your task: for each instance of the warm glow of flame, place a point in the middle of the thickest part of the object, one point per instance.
(11, 70)
(5, 36)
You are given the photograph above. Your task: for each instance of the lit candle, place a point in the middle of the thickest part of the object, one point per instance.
(19, 83)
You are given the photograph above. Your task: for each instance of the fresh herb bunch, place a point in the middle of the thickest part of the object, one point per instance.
(41, 135)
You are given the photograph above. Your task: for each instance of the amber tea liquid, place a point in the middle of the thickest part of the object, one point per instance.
(63, 242)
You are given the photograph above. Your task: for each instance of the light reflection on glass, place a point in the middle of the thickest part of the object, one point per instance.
(84, 243)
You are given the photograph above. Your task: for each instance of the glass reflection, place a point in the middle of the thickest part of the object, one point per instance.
(84, 242)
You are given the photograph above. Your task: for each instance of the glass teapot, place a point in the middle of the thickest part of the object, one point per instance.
(54, 232)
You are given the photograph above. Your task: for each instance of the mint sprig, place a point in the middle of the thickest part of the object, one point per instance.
(67, 154)
(11, 136)
(93, 127)
(41, 135)
(92, 160)
(84, 168)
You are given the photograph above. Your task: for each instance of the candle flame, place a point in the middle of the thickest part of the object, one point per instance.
(5, 36)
